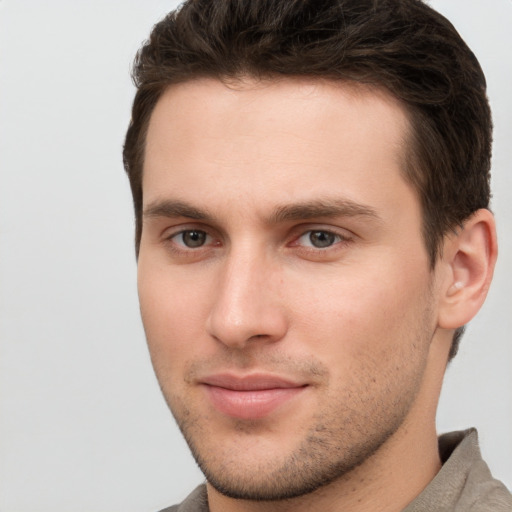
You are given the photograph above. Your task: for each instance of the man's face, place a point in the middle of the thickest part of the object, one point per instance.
(284, 284)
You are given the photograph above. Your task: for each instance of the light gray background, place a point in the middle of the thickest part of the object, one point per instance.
(82, 423)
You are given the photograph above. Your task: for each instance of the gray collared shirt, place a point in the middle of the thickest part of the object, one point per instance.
(464, 483)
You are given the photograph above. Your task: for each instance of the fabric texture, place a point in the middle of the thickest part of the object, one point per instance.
(464, 483)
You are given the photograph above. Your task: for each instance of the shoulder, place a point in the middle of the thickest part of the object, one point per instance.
(464, 483)
(480, 491)
(196, 501)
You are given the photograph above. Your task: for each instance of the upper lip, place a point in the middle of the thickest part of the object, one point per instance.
(252, 382)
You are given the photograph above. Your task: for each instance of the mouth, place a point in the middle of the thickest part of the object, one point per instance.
(250, 397)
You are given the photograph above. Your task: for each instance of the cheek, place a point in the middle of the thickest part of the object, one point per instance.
(173, 312)
(356, 313)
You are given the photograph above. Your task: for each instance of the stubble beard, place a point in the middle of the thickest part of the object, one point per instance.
(329, 451)
(354, 424)
(310, 467)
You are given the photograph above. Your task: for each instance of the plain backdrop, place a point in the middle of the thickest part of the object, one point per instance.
(82, 423)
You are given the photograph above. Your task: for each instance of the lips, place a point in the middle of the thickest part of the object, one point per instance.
(250, 397)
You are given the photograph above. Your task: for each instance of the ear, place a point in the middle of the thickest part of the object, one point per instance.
(468, 262)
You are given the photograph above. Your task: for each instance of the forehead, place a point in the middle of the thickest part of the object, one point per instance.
(245, 104)
(274, 141)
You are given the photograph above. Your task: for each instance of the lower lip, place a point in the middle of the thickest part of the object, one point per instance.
(251, 404)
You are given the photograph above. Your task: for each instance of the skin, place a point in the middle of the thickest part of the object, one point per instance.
(280, 238)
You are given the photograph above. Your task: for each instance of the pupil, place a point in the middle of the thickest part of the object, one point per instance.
(322, 238)
(194, 238)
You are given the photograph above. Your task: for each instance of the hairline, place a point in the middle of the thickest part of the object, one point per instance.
(408, 159)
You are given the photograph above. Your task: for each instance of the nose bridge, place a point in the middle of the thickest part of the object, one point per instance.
(246, 303)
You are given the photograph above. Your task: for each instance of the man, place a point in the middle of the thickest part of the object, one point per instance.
(311, 190)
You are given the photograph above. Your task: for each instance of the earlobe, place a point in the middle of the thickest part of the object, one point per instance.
(469, 257)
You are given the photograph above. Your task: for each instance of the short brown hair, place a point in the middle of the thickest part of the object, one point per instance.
(403, 46)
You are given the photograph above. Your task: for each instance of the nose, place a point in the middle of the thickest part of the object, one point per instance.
(247, 303)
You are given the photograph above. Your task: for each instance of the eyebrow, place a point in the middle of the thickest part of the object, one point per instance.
(319, 208)
(174, 209)
(322, 208)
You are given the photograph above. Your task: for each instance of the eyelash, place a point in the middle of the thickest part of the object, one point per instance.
(333, 237)
(339, 241)
(180, 249)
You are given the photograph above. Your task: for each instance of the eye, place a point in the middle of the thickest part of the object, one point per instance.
(319, 239)
(191, 238)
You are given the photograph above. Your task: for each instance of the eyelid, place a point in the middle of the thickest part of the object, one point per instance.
(303, 229)
(318, 254)
(176, 236)
(337, 238)
(216, 239)
(170, 233)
